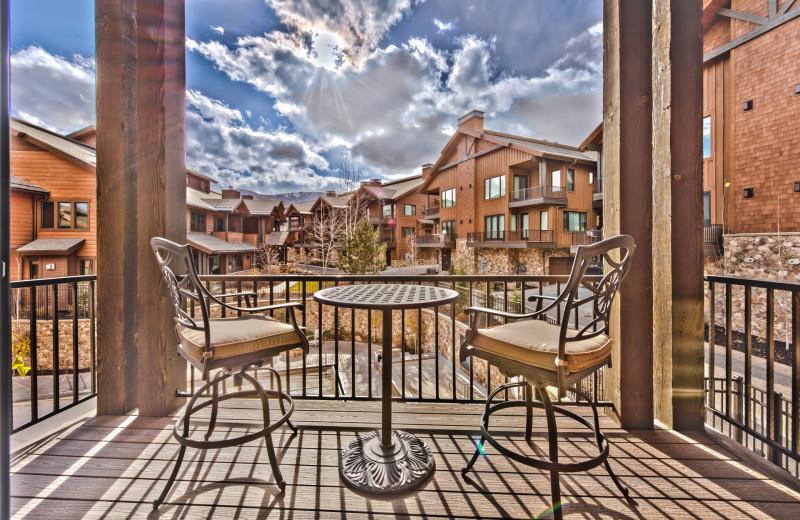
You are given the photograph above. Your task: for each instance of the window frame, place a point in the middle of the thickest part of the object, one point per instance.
(582, 221)
(544, 223)
(494, 225)
(201, 217)
(404, 232)
(446, 200)
(570, 179)
(708, 155)
(55, 205)
(413, 210)
(555, 179)
(494, 187)
(449, 227)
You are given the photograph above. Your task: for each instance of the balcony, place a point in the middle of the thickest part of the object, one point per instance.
(584, 238)
(431, 212)
(538, 195)
(390, 241)
(712, 239)
(512, 239)
(116, 465)
(597, 195)
(440, 240)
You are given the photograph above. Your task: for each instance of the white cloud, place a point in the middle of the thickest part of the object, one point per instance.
(443, 27)
(216, 28)
(223, 146)
(52, 91)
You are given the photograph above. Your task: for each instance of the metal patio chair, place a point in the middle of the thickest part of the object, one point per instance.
(225, 347)
(542, 354)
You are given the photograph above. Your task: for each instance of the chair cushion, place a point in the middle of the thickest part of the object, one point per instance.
(240, 335)
(535, 343)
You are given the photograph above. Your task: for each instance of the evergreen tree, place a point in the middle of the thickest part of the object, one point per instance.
(363, 253)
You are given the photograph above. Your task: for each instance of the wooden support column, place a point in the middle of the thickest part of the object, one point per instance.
(678, 215)
(627, 163)
(652, 185)
(141, 146)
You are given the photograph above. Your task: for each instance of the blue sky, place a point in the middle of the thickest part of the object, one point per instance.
(279, 91)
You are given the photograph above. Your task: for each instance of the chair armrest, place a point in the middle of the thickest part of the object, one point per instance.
(493, 312)
(277, 306)
(228, 295)
(540, 297)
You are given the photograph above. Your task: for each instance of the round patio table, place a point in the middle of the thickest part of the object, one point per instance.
(386, 460)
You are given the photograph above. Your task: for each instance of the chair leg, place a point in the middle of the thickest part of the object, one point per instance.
(552, 439)
(160, 500)
(528, 412)
(280, 401)
(273, 460)
(474, 458)
(214, 407)
(622, 487)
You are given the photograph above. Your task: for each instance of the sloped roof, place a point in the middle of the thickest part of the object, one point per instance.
(225, 205)
(23, 185)
(261, 206)
(198, 198)
(53, 246)
(203, 176)
(596, 137)
(544, 147)
(300, 207)
(278, 238)
(336, 202)
(70, 149)
(212, 244)
(405, 185)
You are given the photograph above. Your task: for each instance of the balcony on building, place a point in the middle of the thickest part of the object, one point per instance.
(537, 196)
(526, 238)
(584, 238)
(445, 240)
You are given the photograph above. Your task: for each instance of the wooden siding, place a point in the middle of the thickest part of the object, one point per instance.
(717, 87)
(65, 181)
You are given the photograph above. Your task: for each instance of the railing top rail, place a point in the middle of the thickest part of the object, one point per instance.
(750, 282)
(41, 282)
(388, 278)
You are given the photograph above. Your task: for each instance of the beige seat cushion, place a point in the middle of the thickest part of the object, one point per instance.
(535, 343)
(241, 335)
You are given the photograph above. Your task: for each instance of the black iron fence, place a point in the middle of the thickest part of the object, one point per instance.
(582, 238)
(343, 360)
(752, 365)
(712, 235)
(52, 347)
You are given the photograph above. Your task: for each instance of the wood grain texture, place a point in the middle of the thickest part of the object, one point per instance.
(670, 475)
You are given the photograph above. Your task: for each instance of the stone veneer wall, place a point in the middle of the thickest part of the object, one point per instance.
(20, 329)
(770, 255)
(505, 261)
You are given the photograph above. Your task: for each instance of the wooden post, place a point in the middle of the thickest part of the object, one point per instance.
(677, 214)
(627, 161)
(141, 146)
(652, 171)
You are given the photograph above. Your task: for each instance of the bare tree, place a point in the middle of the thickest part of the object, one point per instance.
(267, 258)
(327, 235)
(350, 179)
(349, 175)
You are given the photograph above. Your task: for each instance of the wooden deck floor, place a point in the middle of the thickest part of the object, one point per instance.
(113, 467)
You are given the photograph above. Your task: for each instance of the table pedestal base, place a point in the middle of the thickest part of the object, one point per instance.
(367, 466)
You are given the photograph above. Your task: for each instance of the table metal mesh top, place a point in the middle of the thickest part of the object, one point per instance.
(385, 296)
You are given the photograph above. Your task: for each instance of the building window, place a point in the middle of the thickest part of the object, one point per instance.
(543, 221)
(555, 179)
(449, 227)
(407, 232)
(512, 222)
(574, 221)
(494, 187)
(449, 198)
(388, 210)
(33, 269)
(495, 226)
(219, 224)
(86, 266)
(570, 179)
(409, 209)
(213, 264)
(591, 177)
(524, 223)
(234, 264)
(64, 215)
(48, 215)
(706, 208)
(366, 212)
(81, 215)
(197, 222)
(520, 185)
(706, 137)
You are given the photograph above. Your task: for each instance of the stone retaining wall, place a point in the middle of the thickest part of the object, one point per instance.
(20, 330)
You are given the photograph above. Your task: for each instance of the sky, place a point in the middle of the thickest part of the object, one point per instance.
(279, 92)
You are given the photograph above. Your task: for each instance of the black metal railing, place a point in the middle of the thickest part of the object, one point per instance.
(430, 211)
(52, 345)
(442, 238)
(752, 365)
(712, 235)
(582, 238)
(539, 192)
(495, 236)
(544, 236)
(342, 362)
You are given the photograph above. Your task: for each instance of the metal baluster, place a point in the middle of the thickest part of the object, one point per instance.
(353, 353)
(403, 350)
(453, 347)
(319, 344)
(75, 378)
(34, 349)
(471, 371)
(795, 372)
(436, 345)
(239, 298)
(369, 352)
(748, 356)
(56, 361)
(288, 358)
(336, 347)
(728, 350)
(712, 345)
(305, 361)
(92, 346)
(419, 354)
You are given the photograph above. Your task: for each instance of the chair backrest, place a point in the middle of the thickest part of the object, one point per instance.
(600, 295)
(182, 287)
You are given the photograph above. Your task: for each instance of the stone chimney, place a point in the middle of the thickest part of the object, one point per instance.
(471, 121)
(247, 197)
(330, 193)
(230, 193)
(426, 170)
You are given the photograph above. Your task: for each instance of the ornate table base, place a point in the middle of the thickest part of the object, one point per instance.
(367, 466)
